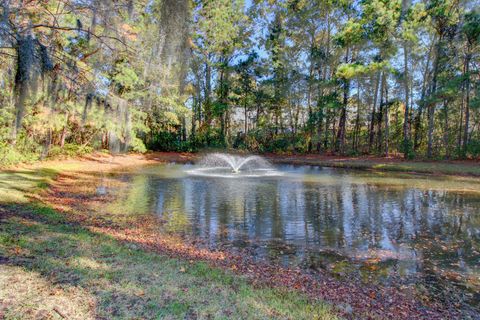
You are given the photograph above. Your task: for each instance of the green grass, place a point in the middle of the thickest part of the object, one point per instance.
(123, 281)
(50, 268)
(407, 166)
(15, 185)
(426, 167)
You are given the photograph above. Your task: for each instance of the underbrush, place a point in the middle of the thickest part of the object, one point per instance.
(27, 152)
(23, 151)
(69, 150)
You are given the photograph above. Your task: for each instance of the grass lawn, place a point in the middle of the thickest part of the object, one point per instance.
(458, 168)
(54, 269)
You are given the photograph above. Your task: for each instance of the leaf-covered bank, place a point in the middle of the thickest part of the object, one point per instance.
(55, 267)
(56, 236)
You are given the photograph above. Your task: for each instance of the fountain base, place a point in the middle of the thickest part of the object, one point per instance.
(231, 166)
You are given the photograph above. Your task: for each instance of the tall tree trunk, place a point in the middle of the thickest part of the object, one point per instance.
(309, 99)
(196, 108)
(320, 124)
(387, 124)
(223, 97)
(334, 130)
(245, 108)
(406, 119)
(208, 102)
(374, 107)
(25, 56)
(199, 114)
(421, 105)
(194, 119)
(418, 126)
(86, 106)
(380, 113)
(357, 120)
(208, 93)
(19, 110)
(446, 136)
(327, 130)
(340, 145)
(227, 128)
(467, 103)
(257, 114)
(105, 140)
(184, 128)
(322, 74)
(48, 142)
(431, 106)
(462, 110)
(64, 131)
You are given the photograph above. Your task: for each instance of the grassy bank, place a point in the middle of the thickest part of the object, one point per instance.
(460, 168)
(52, 268)
(394, 164)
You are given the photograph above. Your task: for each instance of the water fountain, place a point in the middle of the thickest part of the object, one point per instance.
(233, 166)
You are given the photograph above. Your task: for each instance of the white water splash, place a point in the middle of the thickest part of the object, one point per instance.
(224, 165)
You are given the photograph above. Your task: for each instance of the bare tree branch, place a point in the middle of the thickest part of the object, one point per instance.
(99, 37)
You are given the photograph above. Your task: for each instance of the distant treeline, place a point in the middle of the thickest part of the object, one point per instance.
(348, 77)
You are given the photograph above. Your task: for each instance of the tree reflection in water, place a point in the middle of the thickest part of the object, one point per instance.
(375, 226)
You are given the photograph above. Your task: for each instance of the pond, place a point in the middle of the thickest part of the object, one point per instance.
(387, 228)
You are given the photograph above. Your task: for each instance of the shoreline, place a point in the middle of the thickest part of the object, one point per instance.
(58, 258)
(61, 190)
(347, 297)
(459, 168)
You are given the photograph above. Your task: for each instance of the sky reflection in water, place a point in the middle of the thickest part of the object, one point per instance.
(375, 226)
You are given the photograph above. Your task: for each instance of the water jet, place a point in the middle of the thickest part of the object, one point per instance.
(225, 165)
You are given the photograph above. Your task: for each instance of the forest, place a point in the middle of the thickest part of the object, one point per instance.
(377, 77)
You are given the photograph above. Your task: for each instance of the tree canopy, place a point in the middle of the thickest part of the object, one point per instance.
(347, 77)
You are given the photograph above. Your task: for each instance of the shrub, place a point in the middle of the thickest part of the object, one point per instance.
(473, 148)
(170, 141)
(25, 150)
(69, 150)
(137, 145)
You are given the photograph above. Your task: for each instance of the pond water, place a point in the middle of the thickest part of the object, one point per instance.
(376, 227)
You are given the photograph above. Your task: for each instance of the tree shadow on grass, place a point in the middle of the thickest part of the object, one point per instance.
(126, 282)
(36, 175)
(14, 184)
